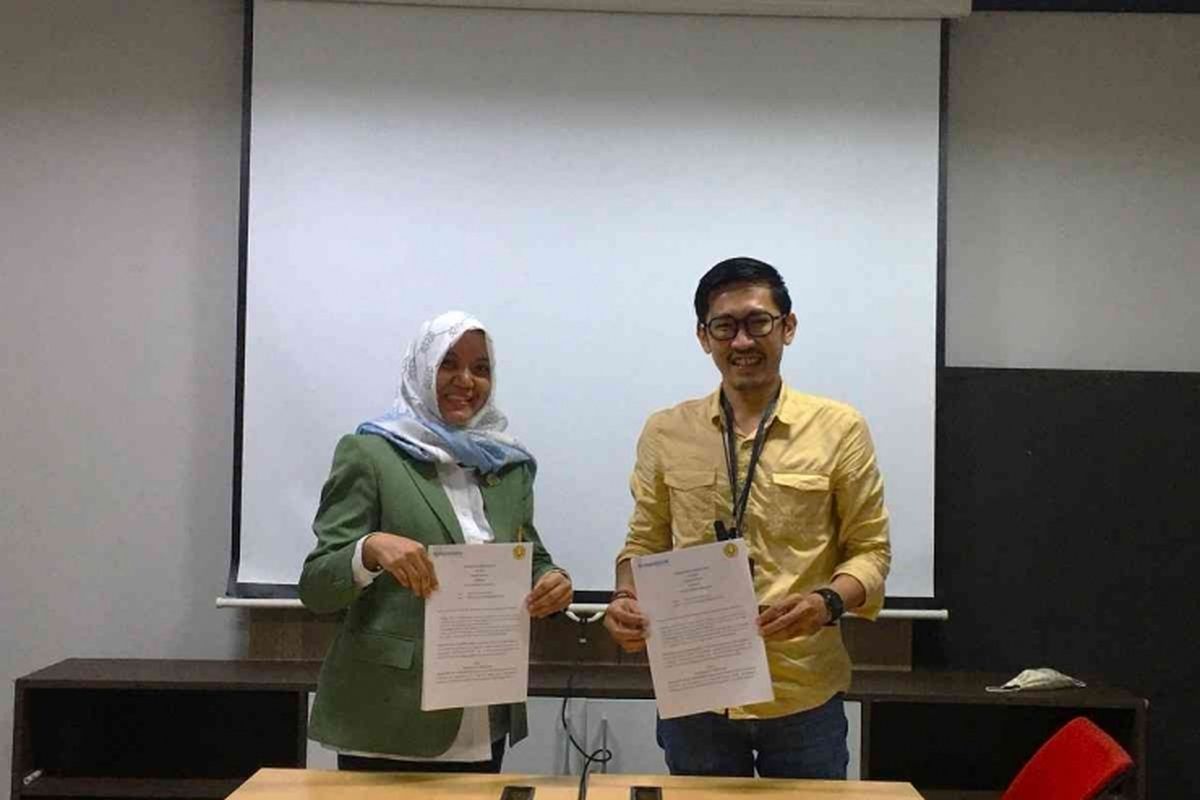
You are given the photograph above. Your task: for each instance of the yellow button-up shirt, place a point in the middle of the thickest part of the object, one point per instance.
(815, 510)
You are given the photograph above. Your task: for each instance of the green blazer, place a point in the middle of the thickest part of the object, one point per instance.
(369, 691)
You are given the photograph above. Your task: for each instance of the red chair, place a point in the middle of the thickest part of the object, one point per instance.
(1077, 763)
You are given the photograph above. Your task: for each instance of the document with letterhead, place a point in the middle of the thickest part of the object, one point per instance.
(477, 626)
(703, 642)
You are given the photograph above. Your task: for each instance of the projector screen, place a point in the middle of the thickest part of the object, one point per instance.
(567, 178)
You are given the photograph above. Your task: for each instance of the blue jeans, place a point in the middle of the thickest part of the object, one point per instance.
(808, 744)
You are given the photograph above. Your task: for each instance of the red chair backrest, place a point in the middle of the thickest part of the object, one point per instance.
(1076, 763)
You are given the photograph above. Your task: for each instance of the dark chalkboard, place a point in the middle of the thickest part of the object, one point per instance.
(1068, 535)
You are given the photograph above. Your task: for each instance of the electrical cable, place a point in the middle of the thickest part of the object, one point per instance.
(601, 755)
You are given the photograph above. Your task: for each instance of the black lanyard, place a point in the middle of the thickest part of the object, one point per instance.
(741, 499)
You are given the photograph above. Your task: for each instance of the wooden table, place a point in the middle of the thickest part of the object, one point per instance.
(616, 787)
(307, 784)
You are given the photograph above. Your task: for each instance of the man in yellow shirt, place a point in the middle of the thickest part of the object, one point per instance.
(809, 503)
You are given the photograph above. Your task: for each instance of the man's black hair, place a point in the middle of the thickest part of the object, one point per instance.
(741, 270)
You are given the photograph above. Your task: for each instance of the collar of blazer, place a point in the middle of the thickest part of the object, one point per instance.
(495, 503)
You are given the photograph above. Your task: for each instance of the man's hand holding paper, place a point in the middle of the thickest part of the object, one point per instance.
(704, 644)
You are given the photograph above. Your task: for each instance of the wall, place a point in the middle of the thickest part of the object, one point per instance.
(119, 175)
(119, 184)
(1066, 495)
(1072, 235)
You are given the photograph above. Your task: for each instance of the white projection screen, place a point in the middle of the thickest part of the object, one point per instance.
(568, 177)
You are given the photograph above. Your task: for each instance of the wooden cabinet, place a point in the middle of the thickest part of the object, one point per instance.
(197, 729)
(116, 728)
(949, 737)
(940, 731)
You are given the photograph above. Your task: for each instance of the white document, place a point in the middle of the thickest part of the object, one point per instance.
(704, 647)
(477, 626)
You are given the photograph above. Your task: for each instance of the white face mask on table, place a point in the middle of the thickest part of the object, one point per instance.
(1041, 678)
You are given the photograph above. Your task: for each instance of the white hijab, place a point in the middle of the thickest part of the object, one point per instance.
(416, 425)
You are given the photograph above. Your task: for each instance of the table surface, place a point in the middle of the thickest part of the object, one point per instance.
(309, 784)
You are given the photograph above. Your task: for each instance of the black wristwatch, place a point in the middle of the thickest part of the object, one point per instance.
(833, 604)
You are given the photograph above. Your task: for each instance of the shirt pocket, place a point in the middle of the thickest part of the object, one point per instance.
(805, 503)
(693, 498)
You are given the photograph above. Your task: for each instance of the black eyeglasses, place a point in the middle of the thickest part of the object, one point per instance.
(757, 324)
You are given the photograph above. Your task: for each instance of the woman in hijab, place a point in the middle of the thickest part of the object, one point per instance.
(437, 469)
